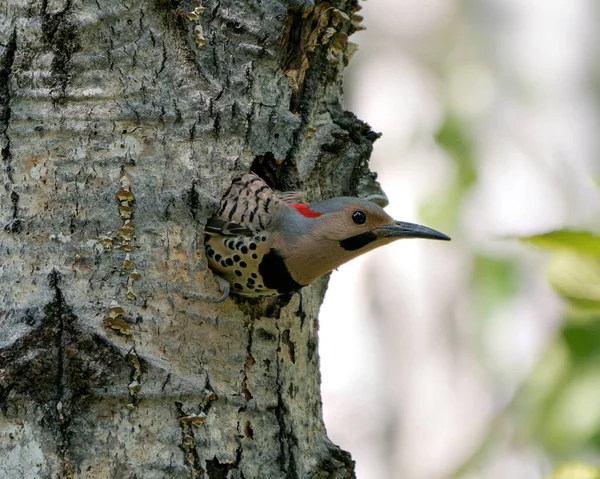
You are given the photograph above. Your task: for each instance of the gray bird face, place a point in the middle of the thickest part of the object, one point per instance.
(356, 223)
(346, 228)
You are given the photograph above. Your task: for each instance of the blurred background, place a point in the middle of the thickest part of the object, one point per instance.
(478, 358)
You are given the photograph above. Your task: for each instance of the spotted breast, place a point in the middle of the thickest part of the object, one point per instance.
(237, 238)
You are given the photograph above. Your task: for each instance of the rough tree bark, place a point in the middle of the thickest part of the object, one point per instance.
(122, 123)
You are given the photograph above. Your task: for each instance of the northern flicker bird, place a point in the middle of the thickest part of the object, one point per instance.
(263, 245)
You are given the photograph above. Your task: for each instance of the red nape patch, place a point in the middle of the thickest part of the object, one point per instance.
(304, 210)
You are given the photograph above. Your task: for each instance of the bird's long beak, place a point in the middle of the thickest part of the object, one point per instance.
(409, 230)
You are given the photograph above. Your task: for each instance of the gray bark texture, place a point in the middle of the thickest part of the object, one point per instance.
(122, 123)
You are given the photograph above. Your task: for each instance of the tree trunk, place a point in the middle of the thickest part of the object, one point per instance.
(121, 126)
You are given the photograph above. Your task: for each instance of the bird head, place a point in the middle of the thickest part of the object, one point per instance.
(327, 234)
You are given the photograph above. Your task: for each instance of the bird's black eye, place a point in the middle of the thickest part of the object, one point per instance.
(359, 217)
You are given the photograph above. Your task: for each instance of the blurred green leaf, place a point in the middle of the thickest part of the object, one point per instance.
(595, 441)
(495, 281)
(576, 470)
(443, 208)
(576, 278)
(558, 401)
(573, 417)
(583, 340)
(452, 137)
(577, 241)
(561, 398)
(541, 388)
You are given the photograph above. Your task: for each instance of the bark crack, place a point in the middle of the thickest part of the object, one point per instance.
(215, 469)
(218, 470)
(60, 34)
(135, 383)
(6, 67)
(193, 201)
(287, 439)
(188, 443)
(250, 361)
(301, 314)
(290, 344)
(190, 420)
(59, 312)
